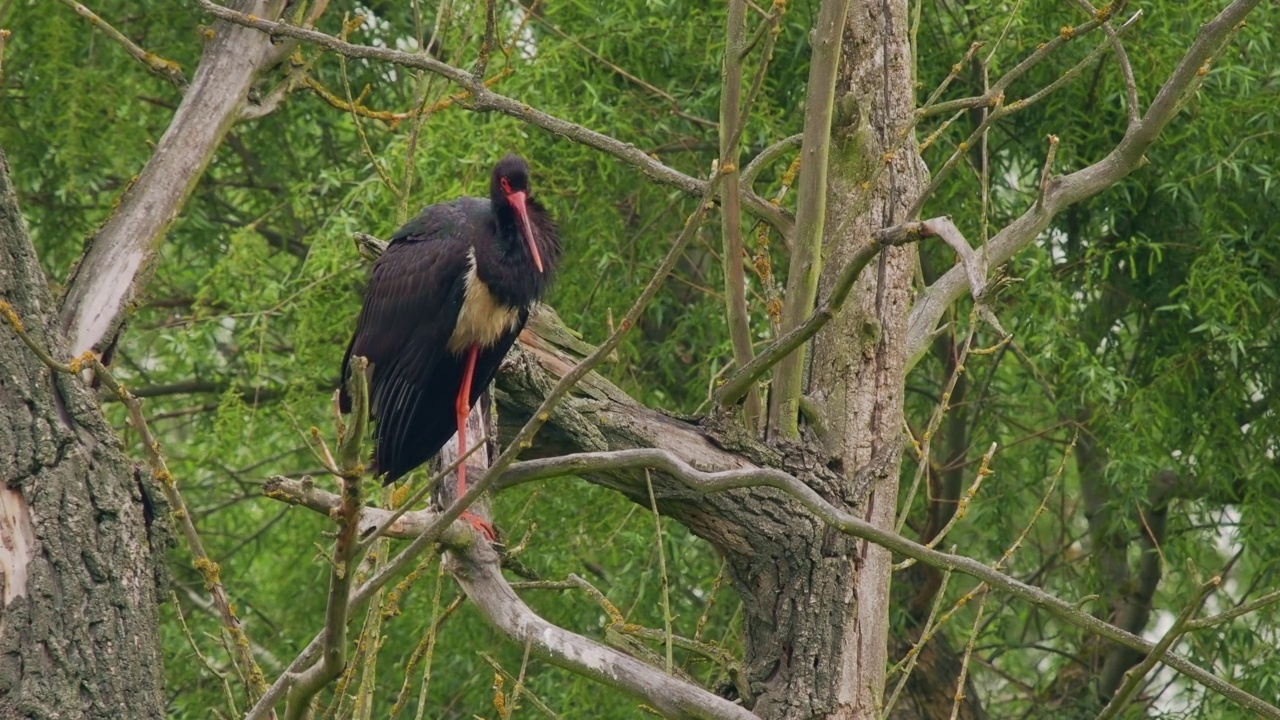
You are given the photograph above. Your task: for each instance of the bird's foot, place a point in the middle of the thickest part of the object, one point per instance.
(480, 524)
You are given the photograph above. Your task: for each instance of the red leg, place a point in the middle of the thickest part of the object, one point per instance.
(463, 409)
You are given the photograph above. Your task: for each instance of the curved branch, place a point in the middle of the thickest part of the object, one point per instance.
(1084, 183)
(484, 99)
(766, 156)
(493, 596)
(704, 482)
(709, 482)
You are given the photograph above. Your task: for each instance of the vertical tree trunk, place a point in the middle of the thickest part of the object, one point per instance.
(78, 628)
(857, 376)
(815, 603)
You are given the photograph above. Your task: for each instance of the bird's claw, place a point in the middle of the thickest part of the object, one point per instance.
(480, 524)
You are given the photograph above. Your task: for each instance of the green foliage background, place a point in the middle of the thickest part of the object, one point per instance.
(1145, 319)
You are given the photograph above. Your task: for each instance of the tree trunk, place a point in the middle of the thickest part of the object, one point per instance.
(815, 602)
(837, 644)
(78, 629)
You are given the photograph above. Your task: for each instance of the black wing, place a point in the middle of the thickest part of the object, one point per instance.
(435, 423)
(411, 307)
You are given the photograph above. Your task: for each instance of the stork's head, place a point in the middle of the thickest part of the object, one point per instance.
(509, 192)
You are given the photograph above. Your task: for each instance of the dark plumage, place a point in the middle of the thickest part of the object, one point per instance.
(460, 276)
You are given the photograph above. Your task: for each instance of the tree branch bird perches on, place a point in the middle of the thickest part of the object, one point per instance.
(445, 303)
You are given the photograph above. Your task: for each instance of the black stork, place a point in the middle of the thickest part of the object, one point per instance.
(444, 304)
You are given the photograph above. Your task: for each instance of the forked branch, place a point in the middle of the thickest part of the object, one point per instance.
(1067, 190)
(758, 477)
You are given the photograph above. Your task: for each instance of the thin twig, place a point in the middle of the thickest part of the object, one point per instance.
(1003, 110)
(745, 377)
(671, 100)
(968, 653)
(662, 568)
(998, 87)
(1134, 676)
(1046, 173)
(533, 699)
(166, 69)
(1244, 609)
(186, 632)
(333, 656)
(935, 420)
(908, 663)
(1126, 70)
(483, 99)
(486, 44)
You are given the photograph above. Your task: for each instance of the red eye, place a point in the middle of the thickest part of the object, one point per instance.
(506, 186)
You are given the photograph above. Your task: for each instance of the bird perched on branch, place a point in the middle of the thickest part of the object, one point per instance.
(444, 304)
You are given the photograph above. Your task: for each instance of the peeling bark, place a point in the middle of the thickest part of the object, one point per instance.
(78, 629)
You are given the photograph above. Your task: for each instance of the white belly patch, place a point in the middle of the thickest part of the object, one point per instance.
(483, 318)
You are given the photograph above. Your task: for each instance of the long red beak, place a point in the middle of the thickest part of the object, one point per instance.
(517, 200)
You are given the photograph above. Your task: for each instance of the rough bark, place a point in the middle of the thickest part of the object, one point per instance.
(785, 565)
(78, 630)
(860, 361)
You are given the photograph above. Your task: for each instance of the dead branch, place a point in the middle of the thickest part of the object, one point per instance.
(706, 482)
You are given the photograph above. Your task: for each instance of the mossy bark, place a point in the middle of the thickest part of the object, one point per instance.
(78, 630)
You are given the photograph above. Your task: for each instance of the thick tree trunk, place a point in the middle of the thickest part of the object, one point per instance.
(829, 628)
(78, 628)
(815, 602)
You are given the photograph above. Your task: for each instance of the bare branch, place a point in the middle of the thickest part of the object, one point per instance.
(998, 87)
(476, 569)
(710, 482)
(753, 477)
(1244, 609)
(166, 69)
(494, 598)
(110, 275)
(1126, 70)
(1133, 678)
(410, 524)
(483, 99)
(1084, 183)
(736, 385)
